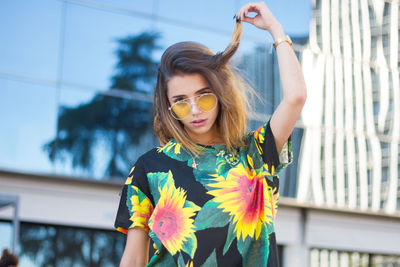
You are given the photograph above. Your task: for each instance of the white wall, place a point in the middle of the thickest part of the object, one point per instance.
(62, 201)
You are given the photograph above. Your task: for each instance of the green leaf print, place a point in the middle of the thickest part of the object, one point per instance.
(155, 239)
(211, 216)
(157, 180)
(211, 260)
(190, 204)
(190, 245)
(130, 192)
(161, 259)
(231, 236)
(141, 196)
(257, 250)
(204, 177)
(181, 262)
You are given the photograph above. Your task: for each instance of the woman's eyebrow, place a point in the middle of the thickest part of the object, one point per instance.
(203, 90)
(197, 92)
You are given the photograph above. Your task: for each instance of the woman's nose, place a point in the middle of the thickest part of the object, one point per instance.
(194, 107)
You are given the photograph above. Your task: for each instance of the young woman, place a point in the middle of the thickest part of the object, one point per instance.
(208, 196)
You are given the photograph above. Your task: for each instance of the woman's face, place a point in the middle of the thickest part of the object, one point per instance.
(199, 124)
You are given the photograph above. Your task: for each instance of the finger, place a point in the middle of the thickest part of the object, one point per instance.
(253, 8)
(247, 11)
(248, 19)
(249, 7)
(242, 11)
(240, 14)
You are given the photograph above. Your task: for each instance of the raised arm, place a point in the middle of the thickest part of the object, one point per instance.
(293, 86)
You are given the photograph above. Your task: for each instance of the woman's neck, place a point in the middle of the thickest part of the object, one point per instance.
(212, 137)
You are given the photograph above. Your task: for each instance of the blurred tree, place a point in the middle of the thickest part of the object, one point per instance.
(53, 246)
(119, 122)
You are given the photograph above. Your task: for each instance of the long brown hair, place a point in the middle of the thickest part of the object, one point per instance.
(230, 89)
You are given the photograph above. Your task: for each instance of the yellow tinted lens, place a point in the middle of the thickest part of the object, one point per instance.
(181, 110)
(207, 102)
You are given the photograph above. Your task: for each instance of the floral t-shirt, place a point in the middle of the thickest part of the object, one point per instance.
(214, 210)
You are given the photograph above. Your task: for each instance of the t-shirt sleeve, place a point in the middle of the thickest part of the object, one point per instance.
(264, 141)
(136, 203)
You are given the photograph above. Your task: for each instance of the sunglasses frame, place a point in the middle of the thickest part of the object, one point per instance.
(190, 104)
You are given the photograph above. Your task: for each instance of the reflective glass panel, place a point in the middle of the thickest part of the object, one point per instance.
(28, 119)
(91, 42)
(30, 39)
(6, 235)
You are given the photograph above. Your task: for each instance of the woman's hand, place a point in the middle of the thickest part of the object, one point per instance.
(264, 19)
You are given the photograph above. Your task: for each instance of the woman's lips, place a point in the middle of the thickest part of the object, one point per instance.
(198, 123)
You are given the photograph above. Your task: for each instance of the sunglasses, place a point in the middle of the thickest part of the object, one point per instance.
(182, 108)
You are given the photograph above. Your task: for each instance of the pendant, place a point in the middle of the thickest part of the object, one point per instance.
(194, 164)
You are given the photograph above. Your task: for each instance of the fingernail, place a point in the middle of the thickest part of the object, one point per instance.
(234, 16)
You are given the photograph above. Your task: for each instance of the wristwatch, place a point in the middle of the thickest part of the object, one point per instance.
(285, 38)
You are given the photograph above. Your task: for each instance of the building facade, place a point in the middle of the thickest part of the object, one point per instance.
(350, 152)
(350, 149)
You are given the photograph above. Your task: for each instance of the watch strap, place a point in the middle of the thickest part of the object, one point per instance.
(282, 39)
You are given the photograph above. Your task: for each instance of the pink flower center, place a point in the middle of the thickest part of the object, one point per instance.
(166, 224)
(253, 196)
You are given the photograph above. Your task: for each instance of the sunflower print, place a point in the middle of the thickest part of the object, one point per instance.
(171, 221)
(244, 195)
(259, 138)
(274, 197)
(259, 134)
(140, 209)
(130, 177)
(168, 146)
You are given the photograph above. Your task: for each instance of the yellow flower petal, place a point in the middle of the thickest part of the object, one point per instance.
(177, 148)
(250, 160)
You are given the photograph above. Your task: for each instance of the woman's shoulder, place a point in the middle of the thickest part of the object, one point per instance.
(149, 155)
(161, 152)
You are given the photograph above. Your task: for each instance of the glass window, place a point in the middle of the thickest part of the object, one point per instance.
(91, 42)
(100, 135)
(28, 121)
(326, 257)
(144, 7)
(6, 234)
(30, 38)
(173, 33)
(208, 13)
(46, 245)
